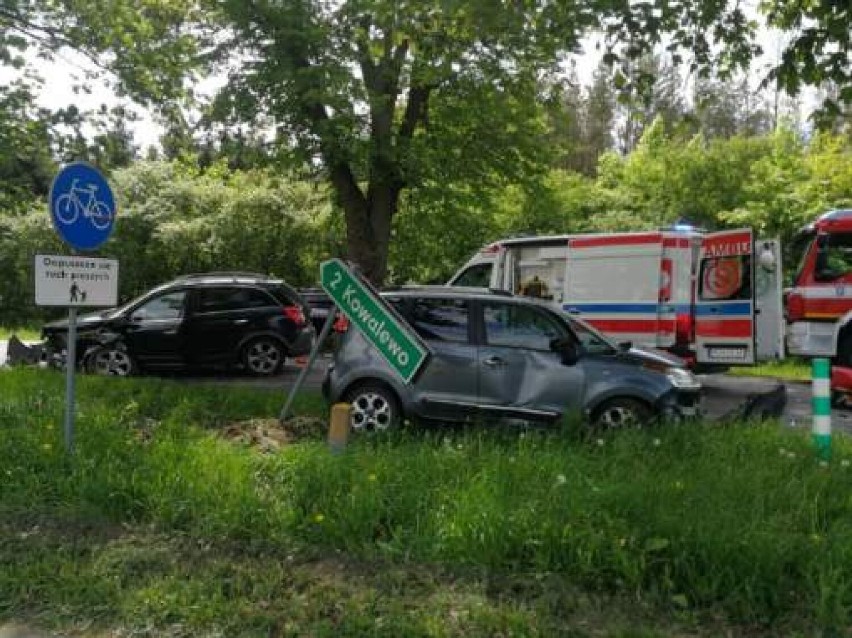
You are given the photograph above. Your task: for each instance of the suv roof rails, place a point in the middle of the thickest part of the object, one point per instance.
(225, 273)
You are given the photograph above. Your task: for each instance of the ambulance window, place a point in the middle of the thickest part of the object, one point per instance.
(834, 259)
(478, 276)
(725, 278)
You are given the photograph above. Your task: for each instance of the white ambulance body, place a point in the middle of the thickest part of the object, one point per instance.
(711, 298)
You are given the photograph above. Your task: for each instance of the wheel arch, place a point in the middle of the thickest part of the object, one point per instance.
(258, 334)
(372, 380)
(647, 399)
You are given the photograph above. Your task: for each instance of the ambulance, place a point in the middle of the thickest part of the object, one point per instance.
(714, 299)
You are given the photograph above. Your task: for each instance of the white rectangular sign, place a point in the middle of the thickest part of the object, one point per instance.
(76, 281)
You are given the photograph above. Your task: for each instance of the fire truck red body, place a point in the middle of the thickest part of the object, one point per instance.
(819, 304)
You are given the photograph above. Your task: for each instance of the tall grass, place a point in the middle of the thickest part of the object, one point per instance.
(741, 518)
(25, 333)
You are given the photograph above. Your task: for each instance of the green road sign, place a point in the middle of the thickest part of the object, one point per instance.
(376, 320)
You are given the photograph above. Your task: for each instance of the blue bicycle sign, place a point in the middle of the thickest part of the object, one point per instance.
(82, 206)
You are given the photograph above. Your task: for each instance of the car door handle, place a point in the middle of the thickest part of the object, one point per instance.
(494, 362)
(239, 322)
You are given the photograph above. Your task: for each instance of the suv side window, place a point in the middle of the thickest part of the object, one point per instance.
(519, 326)
(166, 306)
(224, 299)
(437, 319)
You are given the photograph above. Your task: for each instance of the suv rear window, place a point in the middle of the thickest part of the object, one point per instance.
(285, 295)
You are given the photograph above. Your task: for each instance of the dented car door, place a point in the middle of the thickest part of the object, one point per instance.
(520, 375)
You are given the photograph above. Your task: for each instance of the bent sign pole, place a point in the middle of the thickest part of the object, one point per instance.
(368, 312)
(376, 320)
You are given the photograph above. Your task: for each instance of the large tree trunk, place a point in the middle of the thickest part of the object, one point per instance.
(368, 231)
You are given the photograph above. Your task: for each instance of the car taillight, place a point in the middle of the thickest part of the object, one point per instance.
(341, 324)
(795, 307)
(683, 329)
(295, 314)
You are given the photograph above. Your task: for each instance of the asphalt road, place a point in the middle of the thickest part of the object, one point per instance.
(722, 393)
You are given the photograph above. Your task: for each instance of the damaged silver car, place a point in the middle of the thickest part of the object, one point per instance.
(498, 356)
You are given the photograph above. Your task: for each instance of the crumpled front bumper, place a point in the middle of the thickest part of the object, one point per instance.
(678, 406)
(20, 353)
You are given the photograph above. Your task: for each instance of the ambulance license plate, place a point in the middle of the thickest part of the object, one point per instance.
(727, 353)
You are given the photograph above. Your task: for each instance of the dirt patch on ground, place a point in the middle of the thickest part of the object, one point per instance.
(269, 435)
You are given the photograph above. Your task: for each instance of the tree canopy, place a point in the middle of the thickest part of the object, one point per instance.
(384, 96)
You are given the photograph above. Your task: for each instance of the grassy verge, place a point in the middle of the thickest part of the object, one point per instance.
(24, 333)
(788, 370)
(160, 525)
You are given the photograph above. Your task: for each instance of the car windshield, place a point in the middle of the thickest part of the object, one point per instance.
(592, 341)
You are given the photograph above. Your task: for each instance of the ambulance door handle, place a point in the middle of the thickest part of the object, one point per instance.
(494, 362)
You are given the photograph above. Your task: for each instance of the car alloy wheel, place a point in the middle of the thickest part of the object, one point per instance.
(622, 413)
(373, 409)
(111, 361)
(263, 357)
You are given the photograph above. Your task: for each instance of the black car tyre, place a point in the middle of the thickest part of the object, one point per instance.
(375, 408)
(263, 356)
(109, 361)
(622, 412)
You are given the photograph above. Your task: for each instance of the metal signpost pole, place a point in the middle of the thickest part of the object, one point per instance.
(82, 208)
(70, 365)
(326, 329)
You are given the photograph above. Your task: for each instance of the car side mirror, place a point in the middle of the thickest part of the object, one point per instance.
(624, 346)
(567, 349)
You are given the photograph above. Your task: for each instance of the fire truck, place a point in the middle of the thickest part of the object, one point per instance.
(819, 301)
(714, 299)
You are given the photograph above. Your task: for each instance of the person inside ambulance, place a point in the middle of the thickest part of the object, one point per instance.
(536, 288)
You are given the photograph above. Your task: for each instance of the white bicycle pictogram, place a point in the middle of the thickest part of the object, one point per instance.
(69, 206)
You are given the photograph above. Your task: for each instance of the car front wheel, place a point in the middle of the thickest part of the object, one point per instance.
(374, 408)
(263, 357)
(622, 412)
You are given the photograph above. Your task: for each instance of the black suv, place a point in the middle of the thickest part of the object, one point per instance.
(212, 319)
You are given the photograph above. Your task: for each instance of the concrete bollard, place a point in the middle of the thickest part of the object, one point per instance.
(338, 427)
(821, 379)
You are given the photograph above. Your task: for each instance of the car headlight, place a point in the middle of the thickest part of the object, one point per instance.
(683, 379)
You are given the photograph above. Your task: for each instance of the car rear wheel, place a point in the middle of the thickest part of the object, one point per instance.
(111, 362)
(622, 412)
(263, 357)
(375, 408)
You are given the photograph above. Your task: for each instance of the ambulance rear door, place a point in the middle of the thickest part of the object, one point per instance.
(724, 301)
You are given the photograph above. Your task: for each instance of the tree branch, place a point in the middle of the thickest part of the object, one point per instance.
(47, 36)
(415, 109)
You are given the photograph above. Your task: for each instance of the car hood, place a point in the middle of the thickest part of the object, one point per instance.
(656, 357)
(84, 322)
